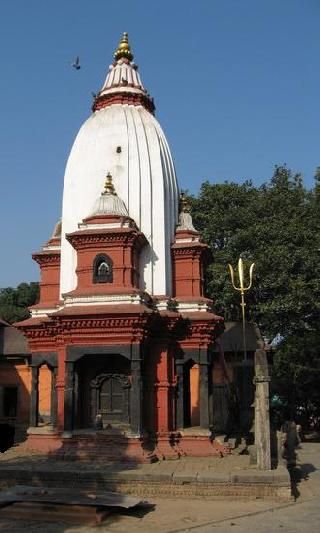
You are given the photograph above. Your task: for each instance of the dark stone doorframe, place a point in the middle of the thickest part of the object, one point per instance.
(180, 394)
(136, 391)
(54, 397)
(74, 353)
(69, 394)
(34, 400)
(204, 396)
(201, 357)
(39, 359)
(133, 353)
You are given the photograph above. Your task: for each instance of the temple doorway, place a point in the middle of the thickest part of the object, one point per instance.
(102, 389)
(110, 399)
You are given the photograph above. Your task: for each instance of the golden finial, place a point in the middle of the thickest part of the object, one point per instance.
(123, 49)
(108, 186)
(185, 206)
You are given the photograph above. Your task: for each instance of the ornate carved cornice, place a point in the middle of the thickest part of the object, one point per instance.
(136, 328)
(87, 239)
(47, 258)
(184, 249)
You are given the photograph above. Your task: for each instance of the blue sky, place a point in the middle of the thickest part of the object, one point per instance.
(236, 86)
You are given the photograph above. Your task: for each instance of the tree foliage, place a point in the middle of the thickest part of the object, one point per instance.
(14, 302)
(276, 226)
(297, 373)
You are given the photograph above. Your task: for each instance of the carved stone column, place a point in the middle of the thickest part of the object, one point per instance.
(1, 401)
(262, 420)
(204, 396)
(180, 395)
(34, 403)
(54, 402)
(136, 392)
(69, 397)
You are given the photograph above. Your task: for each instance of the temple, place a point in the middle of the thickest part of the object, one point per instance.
(122, 339)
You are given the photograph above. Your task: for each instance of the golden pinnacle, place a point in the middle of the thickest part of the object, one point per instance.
(108, 186)
(123, 49)
(185, 206)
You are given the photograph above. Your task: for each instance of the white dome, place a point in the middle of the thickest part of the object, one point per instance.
(127, 141)
(123, 137)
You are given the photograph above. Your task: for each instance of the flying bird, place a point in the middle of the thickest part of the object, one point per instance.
(76, 63)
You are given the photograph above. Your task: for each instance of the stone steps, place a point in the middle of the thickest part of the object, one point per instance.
(156, 480)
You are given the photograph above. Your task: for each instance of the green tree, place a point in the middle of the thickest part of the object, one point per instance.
(14, 302)
(277, 227)
(296, 374)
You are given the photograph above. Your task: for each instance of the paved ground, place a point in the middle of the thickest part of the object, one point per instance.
(202, 516)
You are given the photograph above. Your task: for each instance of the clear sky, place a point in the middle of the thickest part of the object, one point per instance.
(236, 85)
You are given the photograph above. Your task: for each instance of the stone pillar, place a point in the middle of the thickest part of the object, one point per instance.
(1, 401)
(60, 384)
(54, 402)
(204, 396)
(69, 397)
(180, 395)
(262, 420)
(34, 403)
(163, 387)
(136, 392)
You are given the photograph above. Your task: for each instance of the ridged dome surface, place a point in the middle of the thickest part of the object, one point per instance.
(109, 204)
(127, 141)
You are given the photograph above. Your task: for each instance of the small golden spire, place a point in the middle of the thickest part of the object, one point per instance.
(185, 206)
(108, 186)
(123, 49)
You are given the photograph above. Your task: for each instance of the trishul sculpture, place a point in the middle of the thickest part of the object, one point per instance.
(242, 290)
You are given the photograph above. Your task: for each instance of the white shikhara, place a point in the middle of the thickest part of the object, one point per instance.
(127, 141)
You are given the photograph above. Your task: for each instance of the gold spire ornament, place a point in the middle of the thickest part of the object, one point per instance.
(242, 289)
(108, 186)
(123, 49)
(185, 206)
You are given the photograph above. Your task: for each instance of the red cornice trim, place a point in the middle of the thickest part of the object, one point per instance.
(47, 257)
(128, 98)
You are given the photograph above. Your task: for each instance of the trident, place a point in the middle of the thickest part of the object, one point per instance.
(242, 290)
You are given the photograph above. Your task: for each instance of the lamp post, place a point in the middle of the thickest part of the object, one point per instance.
(242, 289)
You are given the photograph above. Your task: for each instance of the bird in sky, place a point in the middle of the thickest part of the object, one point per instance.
(76, 63)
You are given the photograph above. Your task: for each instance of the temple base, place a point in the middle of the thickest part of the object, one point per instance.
(45, 440)
(198, 442)
(120, 446)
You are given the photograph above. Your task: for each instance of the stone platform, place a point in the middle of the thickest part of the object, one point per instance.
(211, 477)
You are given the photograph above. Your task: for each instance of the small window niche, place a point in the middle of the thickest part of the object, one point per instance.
(102, 269)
